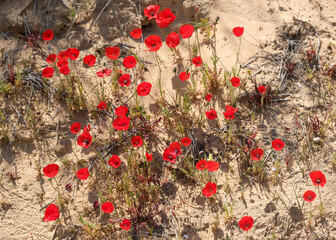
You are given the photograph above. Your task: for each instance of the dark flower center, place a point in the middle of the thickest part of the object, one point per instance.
(176, 151)
(152, 13)
(310, 197)
(125, 81)
(318, 181)
(170, 157)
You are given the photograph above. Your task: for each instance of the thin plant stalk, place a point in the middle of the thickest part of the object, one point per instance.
(189, 49)
(237, 58)
(321, 204)
(159, 78)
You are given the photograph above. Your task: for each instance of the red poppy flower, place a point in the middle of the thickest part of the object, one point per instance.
(121, 111)
(210, 188)
(75, 127)
(212, 166)
(168, 156)
(125, 80)
(262, 89)
(48, 35)
(62, 55)
(202, 164)
(125, 224)
(144, 88)
(186, 141)
(83, 173)
(104, 73)
(230, 111)
(197, 61)
(129, 62)
(89, 60)
(184, 76)
(172, 152)
(48, 72)
(211, 115)
(309, 196)
(137, 141)
(149, 157)
(175, 148)
(208, 97)
(173, 39)
(238, 31)
(153, 42)
(121, 123)
(278, 144)
(84, 140)
(186, 31)
(114, 161)
(102, 105)
(318, 178)
(73, 53)
(164, 18)
(257, 154)
(51, 58)
(107, 207)
(235, 82)
(51, 170)
(136, 33)
(151, 11)
(246, 223)
(62, 62)
(51, 213)
(87, 128)
(65, 70)
(112, 52)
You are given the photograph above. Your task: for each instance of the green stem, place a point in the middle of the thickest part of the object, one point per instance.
(97, 84)
(318, 188)
(57, 187)
(310, 213)
(189, 49)
(198, 43)
(160, 71)
(237, 59)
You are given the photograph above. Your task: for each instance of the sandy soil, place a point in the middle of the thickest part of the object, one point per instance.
(269, 25)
